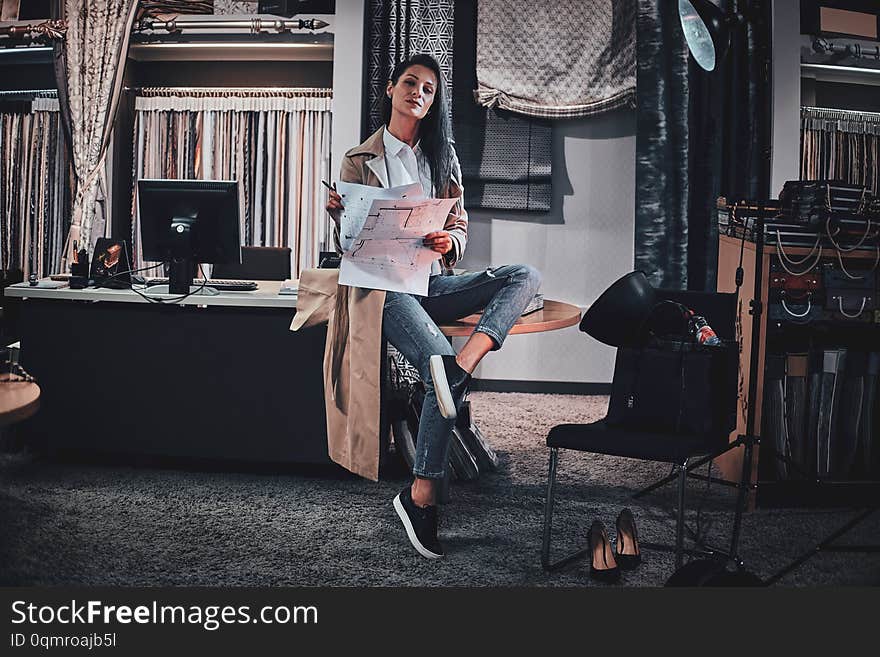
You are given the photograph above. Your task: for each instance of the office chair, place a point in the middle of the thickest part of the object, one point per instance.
(261, 263)
(683, 452)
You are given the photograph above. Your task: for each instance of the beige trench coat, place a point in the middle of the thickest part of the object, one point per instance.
(352, 353)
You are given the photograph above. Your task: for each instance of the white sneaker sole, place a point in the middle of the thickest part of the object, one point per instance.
(410, 532)
(441, 388)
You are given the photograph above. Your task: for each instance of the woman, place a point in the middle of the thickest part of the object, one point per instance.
(415, 145)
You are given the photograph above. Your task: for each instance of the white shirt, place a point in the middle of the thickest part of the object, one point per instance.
(406, 165)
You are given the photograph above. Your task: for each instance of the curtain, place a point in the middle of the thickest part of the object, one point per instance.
(841, 145)
(34, 189)
(730, 113)
(274, 143)
(661, 228)
(700, 135)
(397, 30)
(89, 67)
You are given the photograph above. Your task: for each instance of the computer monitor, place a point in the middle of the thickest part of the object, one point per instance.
(186, 222)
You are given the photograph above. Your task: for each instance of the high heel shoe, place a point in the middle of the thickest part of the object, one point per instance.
(603, 567)
(627, 539)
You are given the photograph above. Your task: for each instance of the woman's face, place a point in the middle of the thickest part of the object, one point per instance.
(413, 94)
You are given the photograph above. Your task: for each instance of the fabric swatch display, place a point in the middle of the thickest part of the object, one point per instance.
(841, 145)
(35, 201)
(275, 143)
(560, 59)
(506, 158)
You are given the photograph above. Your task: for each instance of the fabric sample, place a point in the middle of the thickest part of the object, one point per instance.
(841, 145)
(506, 158)
(398, 30)
(559, 59)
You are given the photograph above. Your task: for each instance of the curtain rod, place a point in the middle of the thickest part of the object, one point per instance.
(850, 114)
(311, 92)
(255, 25)
(856, 50)
(30, 93)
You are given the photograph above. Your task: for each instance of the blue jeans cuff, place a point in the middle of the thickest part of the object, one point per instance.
(497, 339)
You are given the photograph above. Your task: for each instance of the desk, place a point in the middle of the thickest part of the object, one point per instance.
(215, 377)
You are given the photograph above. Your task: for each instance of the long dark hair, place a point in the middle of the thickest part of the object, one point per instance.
(435, 129)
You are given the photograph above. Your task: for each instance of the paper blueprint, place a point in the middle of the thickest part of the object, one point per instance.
(388, 253)
(356, 202)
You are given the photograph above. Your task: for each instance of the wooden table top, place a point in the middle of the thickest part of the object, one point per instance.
(19, 399)
(555, 315)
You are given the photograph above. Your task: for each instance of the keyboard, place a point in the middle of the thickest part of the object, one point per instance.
(217, 284)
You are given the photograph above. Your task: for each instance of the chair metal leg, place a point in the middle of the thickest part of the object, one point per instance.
(548, 508)
(548, 520)
(679, 528)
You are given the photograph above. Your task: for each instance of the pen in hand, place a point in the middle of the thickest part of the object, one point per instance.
(328, 186)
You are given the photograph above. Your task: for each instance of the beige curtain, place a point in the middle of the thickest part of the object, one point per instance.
(90, 78)
(274, 143)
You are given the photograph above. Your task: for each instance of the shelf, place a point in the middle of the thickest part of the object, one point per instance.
(841, 74)
(232, 47)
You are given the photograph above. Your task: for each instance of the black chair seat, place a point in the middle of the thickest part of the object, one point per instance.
(602, 438)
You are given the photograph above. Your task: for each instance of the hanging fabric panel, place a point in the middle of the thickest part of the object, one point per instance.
(275, 143)
(841, 145)
(34, 190)
(397, 30)
(559, 59)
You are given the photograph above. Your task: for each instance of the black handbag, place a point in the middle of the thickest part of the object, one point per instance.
(675, 386)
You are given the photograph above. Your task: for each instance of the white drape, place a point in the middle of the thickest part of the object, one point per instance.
(94, 50)
(275, 144)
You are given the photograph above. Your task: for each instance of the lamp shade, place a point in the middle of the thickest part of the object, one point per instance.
(706, 30)
(618, 315)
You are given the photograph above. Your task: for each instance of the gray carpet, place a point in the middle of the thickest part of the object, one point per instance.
(120, 525)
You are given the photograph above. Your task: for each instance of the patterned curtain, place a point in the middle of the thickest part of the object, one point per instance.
(398, 29)
(276, 144)
(89, 70)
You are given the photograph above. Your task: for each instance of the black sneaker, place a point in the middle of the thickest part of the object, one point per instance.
(450, 384)
(420, 524)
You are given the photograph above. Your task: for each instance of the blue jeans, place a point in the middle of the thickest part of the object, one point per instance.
(410, 324)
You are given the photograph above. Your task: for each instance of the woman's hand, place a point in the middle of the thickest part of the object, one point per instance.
(438, 241)
(334, 205)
